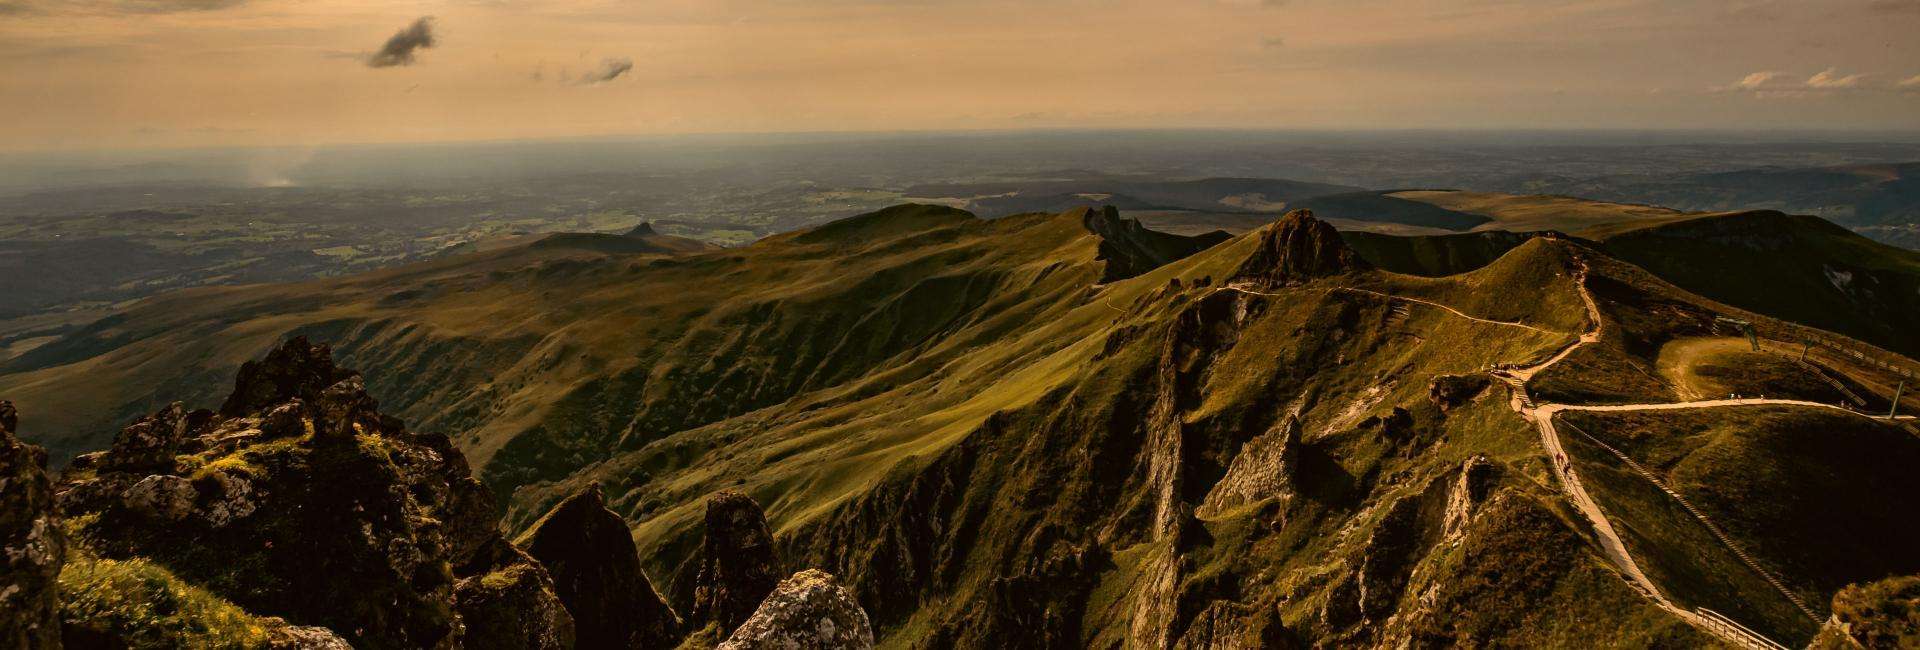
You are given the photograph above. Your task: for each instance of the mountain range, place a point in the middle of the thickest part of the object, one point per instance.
(1055, 429)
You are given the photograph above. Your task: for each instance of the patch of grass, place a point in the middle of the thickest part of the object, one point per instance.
(148, 607)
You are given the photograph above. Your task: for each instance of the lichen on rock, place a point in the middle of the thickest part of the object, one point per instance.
(808, 611)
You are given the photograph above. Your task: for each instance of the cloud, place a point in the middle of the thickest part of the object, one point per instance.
(400, 48)
(1830, 78)
(1910, 82)
(608, 70)
(1756, 80)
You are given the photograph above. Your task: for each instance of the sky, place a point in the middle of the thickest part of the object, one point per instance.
(104, 74)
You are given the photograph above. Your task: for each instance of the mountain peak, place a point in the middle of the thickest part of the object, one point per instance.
(1296, 248)
(1131, 249)
(645, 229)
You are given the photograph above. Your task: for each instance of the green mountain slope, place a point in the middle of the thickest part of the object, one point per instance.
(1800, 268)
(997, 440)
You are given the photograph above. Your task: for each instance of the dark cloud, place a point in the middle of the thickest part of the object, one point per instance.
(608, 70)
(172, 6)
(399, 49)
(1895, 6)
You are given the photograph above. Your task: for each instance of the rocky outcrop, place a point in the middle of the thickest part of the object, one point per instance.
(588, 551)
(809, 611)
(1448, 392)
(1226, 625)
(1130, 249)
(298, 370)
(1296, 249)
(737, 563)
(150, 443)
(31, 545)
(1391, 549)
(513, 607)
(303, 637)
(300, 500)
(1264, 469)
(1477, 478)
(1883, 614)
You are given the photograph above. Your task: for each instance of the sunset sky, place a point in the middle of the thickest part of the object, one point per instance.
(82, 74)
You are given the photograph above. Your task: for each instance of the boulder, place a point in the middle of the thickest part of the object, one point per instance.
(589, 552)
(162, 497)
(809, 611)
(150, 443)
(32, 548)
(738, 567)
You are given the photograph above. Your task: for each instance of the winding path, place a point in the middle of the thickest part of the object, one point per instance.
(1390, 297)
(1611, 543)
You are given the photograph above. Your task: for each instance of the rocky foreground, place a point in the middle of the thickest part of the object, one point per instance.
(299, 516)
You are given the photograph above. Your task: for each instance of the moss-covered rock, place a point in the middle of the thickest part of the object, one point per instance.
(341, 518)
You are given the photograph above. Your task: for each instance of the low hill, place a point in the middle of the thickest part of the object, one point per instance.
(1385, 207)
(1881, 201)
(1801, 268)
(1530, 212)
(1249, 195)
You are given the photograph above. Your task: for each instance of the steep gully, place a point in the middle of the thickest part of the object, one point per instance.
(1542, 417)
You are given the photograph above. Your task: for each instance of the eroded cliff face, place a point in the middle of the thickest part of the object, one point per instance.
(1240, 470)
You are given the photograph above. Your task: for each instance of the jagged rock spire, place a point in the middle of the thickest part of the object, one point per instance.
(596, 571)
(737, 562)
(296, 370)
(1298, 248)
